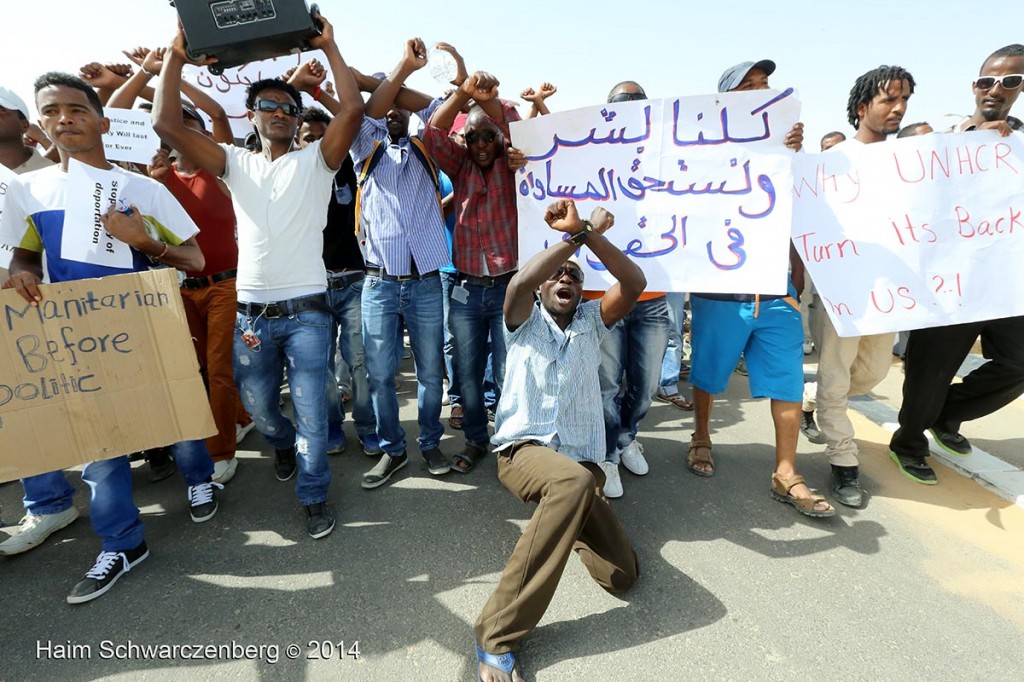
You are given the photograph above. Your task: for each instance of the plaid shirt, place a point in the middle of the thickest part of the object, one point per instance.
(485, 203)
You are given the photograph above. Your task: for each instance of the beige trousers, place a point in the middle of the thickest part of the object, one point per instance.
(846, 367)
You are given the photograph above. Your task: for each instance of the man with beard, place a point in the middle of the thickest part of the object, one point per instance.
(854, 365)
(934, 355)
(549, 443)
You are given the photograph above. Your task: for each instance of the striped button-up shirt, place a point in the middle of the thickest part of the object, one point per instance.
(400, 218)
(552, 394)
(486, 222)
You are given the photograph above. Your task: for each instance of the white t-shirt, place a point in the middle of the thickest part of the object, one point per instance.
(281, 208)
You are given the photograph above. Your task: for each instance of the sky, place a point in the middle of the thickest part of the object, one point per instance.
(671, 48)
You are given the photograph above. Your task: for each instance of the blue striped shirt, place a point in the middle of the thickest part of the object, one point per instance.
(400, 219)
(551, 393)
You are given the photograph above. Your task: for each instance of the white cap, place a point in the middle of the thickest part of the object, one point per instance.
(8, 100)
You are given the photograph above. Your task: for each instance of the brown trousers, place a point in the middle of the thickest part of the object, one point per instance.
(572, 515)
(211, 320)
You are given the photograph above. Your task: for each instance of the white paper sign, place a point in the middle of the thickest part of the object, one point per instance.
(6, 250)
(131, 137)
(913, 233)
(90, 192)
(698, 186)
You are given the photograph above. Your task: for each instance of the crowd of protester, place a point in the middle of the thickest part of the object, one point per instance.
(332, 231)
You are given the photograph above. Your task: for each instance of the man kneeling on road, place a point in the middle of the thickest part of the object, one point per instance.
(549, 444)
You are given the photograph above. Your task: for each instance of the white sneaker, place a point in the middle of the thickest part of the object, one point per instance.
(242, 431)
(633, 459)
(224, 470)
(612, 481)
(808, 347)
(34, 529)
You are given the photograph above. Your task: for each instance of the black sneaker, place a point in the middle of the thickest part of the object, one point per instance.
(379, 475)
(284, 463)
(952, 442)
(202, 500)
(108, 568)
(810, 429)
(160, 464)
(319, 520)
(846, 485)
(915, 468)
(437, 463)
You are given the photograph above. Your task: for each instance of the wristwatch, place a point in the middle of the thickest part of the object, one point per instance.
(581, 236)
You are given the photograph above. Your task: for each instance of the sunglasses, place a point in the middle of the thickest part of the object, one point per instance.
(487, 137)
(270, 106)
(575, 274)
(1009, 82)
(627, 97)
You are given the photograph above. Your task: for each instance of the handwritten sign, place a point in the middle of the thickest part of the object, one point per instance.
(131, 136)
(101, 368)
(6, 250)
(229, 88)
(697, 186)
(914, 233)
(84, 238)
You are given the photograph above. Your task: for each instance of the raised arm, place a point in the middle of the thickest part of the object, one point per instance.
(479, 87)
(383, 98)
(345, 125)
(167, 117)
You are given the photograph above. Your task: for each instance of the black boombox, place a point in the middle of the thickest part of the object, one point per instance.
(241, 31)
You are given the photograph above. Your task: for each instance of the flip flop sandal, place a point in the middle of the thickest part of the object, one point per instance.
(469, 456)
(455, 418)
(805, 505)
(676, 400)
(700, 453)
(506, 662)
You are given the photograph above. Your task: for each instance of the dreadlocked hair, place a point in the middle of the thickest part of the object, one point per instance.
(870, 84)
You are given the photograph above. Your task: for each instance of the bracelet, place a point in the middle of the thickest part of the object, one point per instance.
(316, 94)
(162, 253)
(151, 75)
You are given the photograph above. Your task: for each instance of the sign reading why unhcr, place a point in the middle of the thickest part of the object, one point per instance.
(921, 232)
(700, 186)
(101, 368)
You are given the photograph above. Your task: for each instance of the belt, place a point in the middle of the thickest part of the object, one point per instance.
(486, 281)
(203, 282)
(275, 309)
(379, 272)
(344, 279)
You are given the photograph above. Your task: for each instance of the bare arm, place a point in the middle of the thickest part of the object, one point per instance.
(26, 274)
(345, 125)
(167, 117)
(383, 98)
(479, 87)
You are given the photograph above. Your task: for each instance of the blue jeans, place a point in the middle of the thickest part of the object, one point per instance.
(346, 304)
(114, 516)
(674, 351)
(418, 301)
(448, 280)
(303, 340)
(636, 346)
(472, 323)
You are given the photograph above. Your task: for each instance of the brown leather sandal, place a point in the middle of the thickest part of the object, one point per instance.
(700, 453)
(808, 506)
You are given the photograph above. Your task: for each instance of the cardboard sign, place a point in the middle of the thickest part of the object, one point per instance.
(131, 137)
(101, 368)
(919, 232)
(698, 186)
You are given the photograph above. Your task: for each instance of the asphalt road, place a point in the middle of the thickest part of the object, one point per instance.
(921, 584)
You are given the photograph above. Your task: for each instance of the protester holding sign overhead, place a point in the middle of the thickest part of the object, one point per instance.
(934, 355)
(141, 225)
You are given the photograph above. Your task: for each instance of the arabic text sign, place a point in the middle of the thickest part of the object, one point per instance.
(698, 186)
(920, 232)
(131, 136)
(101, 368)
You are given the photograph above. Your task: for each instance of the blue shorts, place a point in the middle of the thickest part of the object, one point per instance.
(772, 343)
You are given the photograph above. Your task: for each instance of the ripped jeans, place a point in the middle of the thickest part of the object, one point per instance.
(299, 343)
